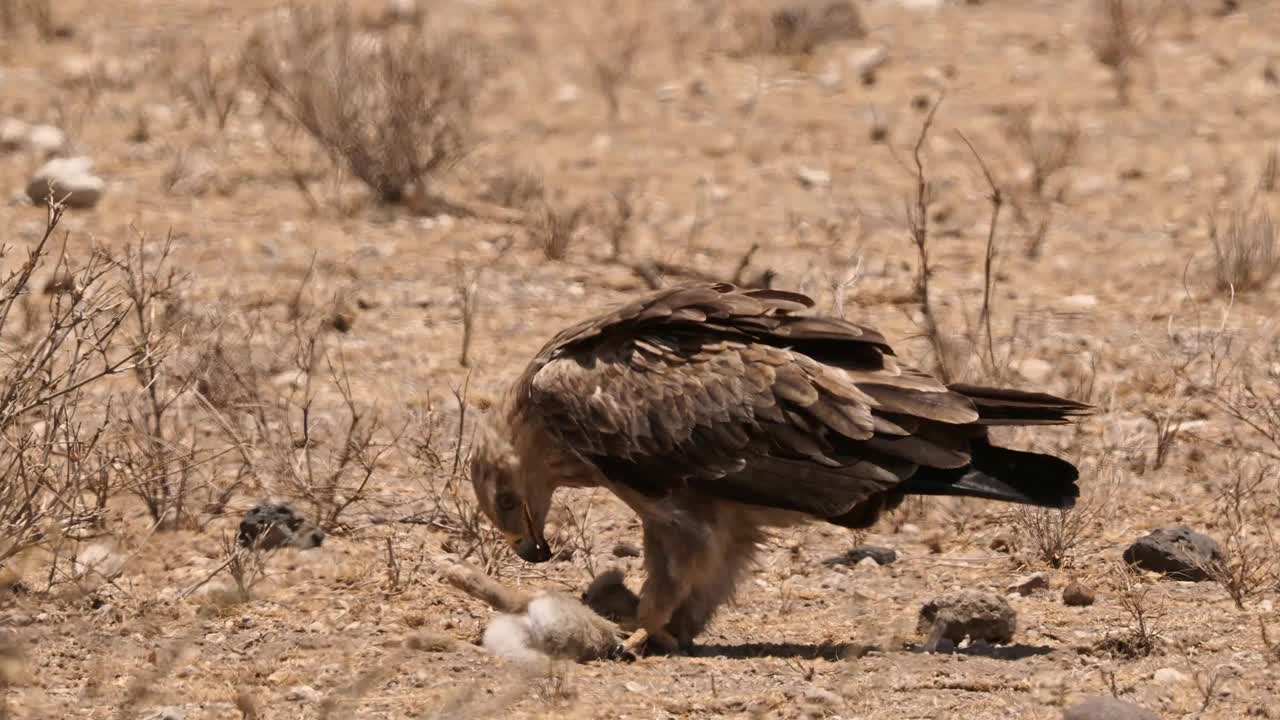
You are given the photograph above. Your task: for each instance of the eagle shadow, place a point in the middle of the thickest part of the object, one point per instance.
(847, 651)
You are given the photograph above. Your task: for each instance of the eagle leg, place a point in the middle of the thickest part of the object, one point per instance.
(641, 639)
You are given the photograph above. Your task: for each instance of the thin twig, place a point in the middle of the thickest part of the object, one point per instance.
(988, 278)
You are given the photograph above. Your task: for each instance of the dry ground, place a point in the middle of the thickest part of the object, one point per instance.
(1103, 287)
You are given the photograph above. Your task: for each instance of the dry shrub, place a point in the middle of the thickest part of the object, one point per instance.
(247, 566)
(157, 452)
(210, 85)
(1248, 391)
(466, 292)
(54, 353)
(1245, 256)
(38, 14)
(1269, 178)
(519, 189)
(1118, 34)
(394, 106)
(613, 36)
(313, 442)
(441, 463)
(1245, 506)
(794, 27)
(553, 228)
(1047, 148)
(1058, 537)
(1144, 613)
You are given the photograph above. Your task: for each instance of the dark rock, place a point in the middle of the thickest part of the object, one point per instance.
(882, 555)
(1002, 543)
(625, 550)
(271, 526)
(1107, 708)
(1077, 595)
(1180, 553)
(976, 615)
(1029, 584)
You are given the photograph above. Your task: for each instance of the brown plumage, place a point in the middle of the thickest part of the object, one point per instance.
(716, 413)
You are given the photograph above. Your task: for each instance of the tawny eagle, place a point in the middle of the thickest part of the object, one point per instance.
(716, 412)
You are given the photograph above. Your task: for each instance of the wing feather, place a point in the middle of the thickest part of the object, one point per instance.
(730, 392)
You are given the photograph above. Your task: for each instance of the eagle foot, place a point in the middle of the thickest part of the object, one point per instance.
(642, 641)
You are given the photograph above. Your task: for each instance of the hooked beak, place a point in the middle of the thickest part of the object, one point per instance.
(533, 546)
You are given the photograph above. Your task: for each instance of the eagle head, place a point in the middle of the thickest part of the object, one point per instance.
(514, 499)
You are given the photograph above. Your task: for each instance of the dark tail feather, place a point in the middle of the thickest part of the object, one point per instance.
(1002, 406)
(1002, 474)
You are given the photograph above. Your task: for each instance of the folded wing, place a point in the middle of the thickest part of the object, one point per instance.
(730, 392)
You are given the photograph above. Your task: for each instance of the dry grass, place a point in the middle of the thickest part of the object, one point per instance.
(553, 228)
(1245, 252)
(1058, 538)
(1144, 614)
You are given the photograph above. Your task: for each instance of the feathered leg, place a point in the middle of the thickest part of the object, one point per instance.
(727, 559)
(666, 585)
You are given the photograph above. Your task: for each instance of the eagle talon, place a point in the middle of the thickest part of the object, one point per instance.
(620, 653)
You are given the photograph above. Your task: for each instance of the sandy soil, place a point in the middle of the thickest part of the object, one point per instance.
(796, 156)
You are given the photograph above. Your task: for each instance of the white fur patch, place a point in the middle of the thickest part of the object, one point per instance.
(508, 636)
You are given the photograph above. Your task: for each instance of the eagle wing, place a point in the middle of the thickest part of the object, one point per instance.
(732, 393)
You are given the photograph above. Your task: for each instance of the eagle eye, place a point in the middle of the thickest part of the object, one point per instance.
(506, 501)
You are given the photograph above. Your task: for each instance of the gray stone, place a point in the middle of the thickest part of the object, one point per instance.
(967, 613)
(1179, 552)
(812, 177)
(822, 697)
(1035, 370)
(304, 694)
(881, 555)
(69, 180)
(866, 61)
(1168, 676)
(1107, 708)
(1079, 303)
(46, 140)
